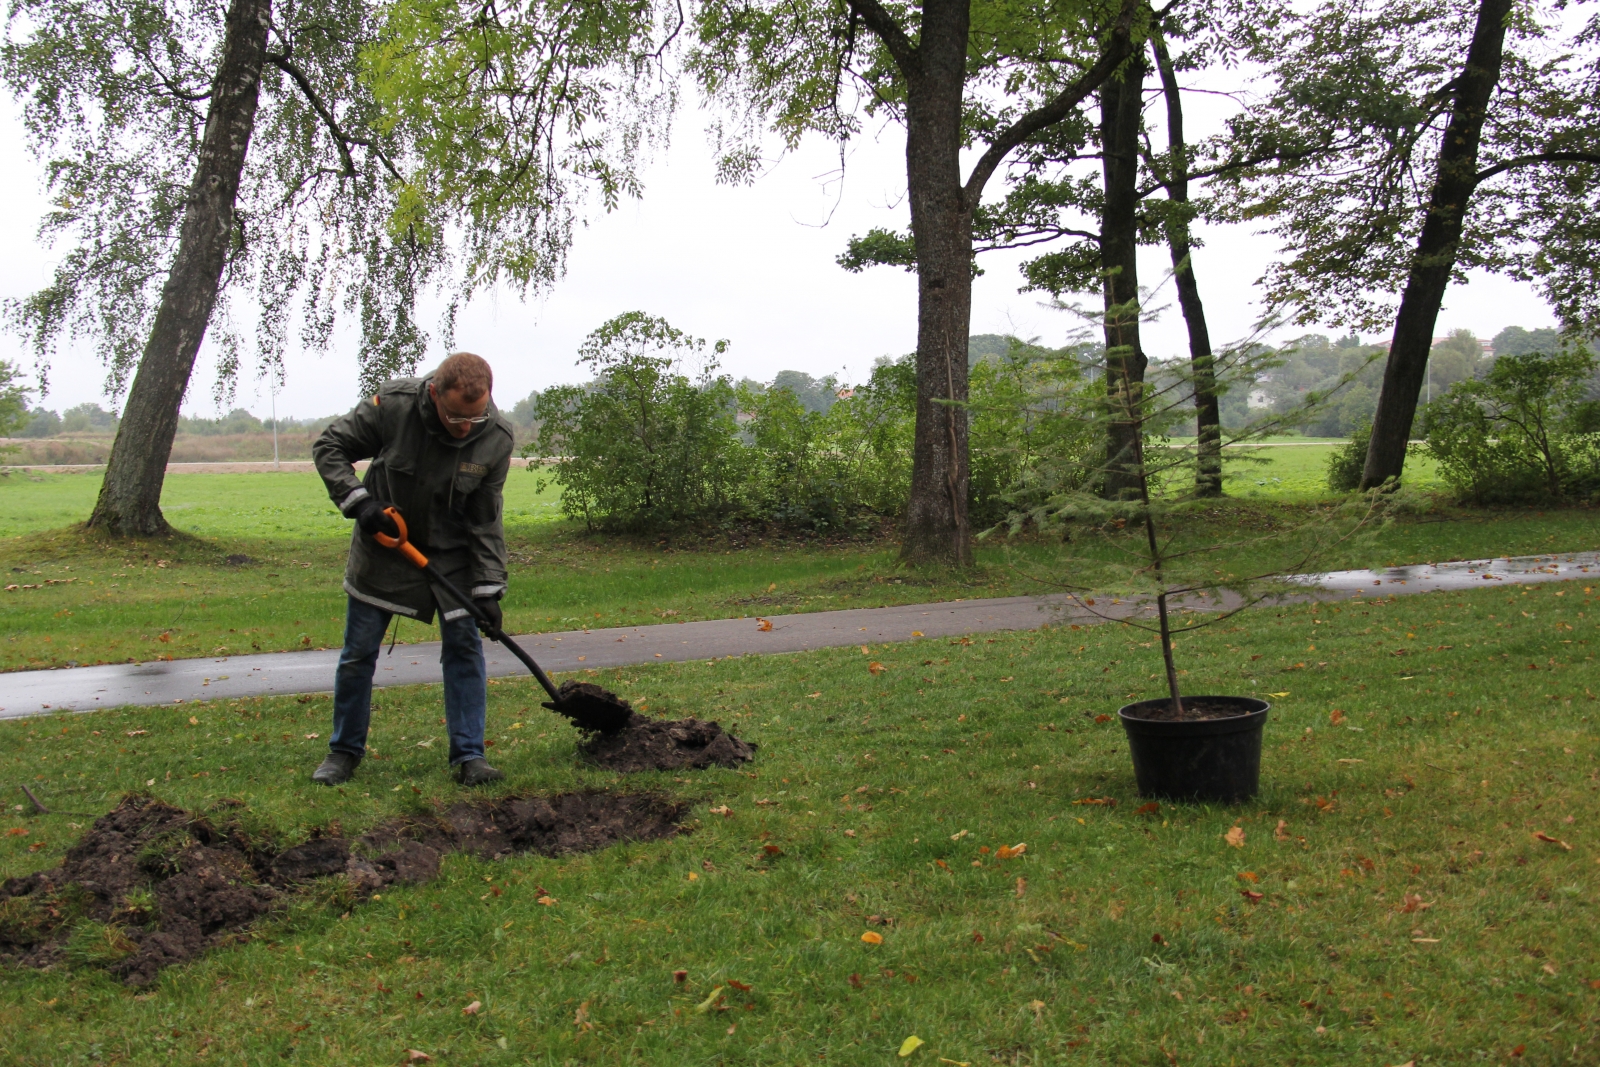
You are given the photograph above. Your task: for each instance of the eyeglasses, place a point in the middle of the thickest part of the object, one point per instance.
(464, 420)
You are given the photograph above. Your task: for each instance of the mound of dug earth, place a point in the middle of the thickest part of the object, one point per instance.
(659, 745)
(151, 885)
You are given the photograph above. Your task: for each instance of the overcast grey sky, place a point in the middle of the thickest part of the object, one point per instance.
(752, 264)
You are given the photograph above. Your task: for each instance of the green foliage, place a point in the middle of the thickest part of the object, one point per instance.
(829, 470)
(114, 100)
(1358, 102)
(642, 445)
(236, 421)
(89, 417)
(1023, 416)
(880, 247)
(1522, 433)
(1347, 462)
(14, 413)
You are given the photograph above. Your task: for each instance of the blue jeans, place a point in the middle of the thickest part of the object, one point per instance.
(466, 682)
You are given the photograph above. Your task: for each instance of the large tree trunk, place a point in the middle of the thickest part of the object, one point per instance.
(1453, 185)
(1208, 441)
(936, 526)
(1121, 120)
(130, 497)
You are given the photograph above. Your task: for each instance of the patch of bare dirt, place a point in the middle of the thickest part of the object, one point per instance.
(151, 885)
(663, 745)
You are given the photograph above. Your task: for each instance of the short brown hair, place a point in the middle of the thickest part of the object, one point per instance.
(464, 373)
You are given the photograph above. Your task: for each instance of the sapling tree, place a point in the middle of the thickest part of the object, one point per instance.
(1162, 548)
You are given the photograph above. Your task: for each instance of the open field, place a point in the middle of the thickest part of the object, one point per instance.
(93, 602)
(1407, 912)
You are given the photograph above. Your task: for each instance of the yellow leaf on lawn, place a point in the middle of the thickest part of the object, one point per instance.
(1235, 837)
(872, 938)
(876, 668)
(547, 901)
(916, 633)
(1006, 852)
(705, 1005)
(1280, 695)
(910, 1045)
(865, 651)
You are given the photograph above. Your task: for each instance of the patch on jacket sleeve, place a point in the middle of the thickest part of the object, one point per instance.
(474, 468)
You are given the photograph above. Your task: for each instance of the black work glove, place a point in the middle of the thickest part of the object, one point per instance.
(370, 517)
(490, 608)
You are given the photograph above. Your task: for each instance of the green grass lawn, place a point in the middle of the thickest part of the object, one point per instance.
(114, 601)
(1407, 912)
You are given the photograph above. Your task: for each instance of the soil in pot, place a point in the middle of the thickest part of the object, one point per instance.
(1195, 709)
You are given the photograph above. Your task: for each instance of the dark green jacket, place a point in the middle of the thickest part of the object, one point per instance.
(448, 490)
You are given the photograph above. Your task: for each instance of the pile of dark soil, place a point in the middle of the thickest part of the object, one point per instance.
(662, 745)
(151, 885)
(1195, 709)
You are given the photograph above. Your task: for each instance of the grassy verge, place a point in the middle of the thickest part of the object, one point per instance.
(82, 599)
(1407, 912)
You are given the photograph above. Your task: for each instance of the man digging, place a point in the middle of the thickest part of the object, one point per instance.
(440, 451)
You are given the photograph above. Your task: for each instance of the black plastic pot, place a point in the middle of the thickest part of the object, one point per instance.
(1210, 759)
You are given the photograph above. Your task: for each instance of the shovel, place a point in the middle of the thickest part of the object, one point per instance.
(588, 706)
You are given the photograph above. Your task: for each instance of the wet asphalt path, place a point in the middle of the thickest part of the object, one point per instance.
(26, 693)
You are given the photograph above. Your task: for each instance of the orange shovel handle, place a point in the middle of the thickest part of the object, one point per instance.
(407, 549)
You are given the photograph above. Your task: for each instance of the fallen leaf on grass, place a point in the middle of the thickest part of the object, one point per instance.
(740, 986)
(910, 1045)
(724, 811)
(1102, 718)
(963, 1063)
(772, 850)
(137, 733)
(1235, 837)
(1411, 902)
(416, 1056)
(17, 831)
(1147, 809)
(1336, 716)
(1109, 801)
(1549, 968)
(680, 976)
(763, 625)
(705, 1005)
(1540, 835)
(916, 633)
(876, 668)
(959, 834)
(1008, 851)
(1251, 895)
(547, 901)
(1022, 887)
(865, 651)
(472, 1009)
(1280, 696)
(1249, 876)
(872, 938)
(1280, 832)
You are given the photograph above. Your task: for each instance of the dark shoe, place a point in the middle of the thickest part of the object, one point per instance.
(337, 769)
(476, 772)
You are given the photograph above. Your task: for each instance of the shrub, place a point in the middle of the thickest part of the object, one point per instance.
(1518, 435)
(1349, 460)
(833, 468)
(642, 445)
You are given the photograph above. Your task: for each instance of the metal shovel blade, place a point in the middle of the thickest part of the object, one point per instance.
(591, 707)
